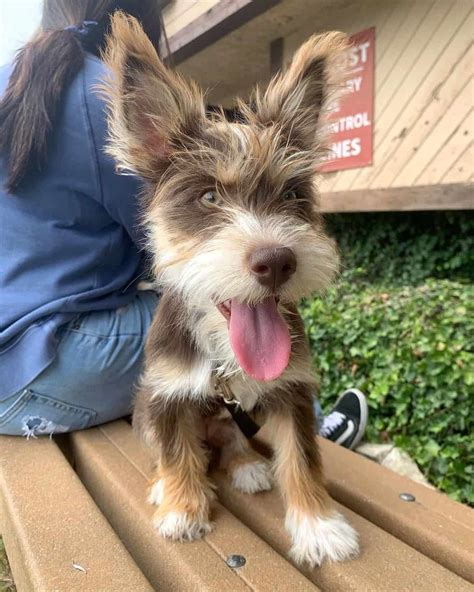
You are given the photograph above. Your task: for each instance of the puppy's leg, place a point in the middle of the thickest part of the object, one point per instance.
(181, 489)
(317, 530)
(250, 472)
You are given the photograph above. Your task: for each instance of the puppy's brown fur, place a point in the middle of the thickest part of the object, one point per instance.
(262, 171)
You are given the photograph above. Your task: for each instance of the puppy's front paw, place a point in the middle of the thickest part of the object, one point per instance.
(252, 477)
(181, 526)
(317, 538)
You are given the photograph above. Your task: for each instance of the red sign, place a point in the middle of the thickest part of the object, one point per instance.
(351, 120)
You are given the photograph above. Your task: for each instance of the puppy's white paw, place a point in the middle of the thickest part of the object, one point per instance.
(181, 526)
(157, 493)
(252, 477)
(316, 538)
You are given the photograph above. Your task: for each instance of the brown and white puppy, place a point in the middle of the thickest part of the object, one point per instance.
(237, 240)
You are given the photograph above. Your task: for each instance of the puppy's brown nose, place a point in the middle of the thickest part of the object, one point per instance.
(272, 266)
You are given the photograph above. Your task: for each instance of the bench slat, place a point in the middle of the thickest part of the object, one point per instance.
(385, 563)
(49, 522)
(434, 525)
(115, 468)
(266, 571)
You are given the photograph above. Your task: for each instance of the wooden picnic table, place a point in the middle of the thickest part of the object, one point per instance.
(74, 517)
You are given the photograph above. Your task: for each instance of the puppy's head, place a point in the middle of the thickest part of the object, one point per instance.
(232, 214)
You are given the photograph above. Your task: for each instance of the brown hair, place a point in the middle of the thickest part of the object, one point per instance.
(44, 68)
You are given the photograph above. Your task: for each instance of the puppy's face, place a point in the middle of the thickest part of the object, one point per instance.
(232, 218)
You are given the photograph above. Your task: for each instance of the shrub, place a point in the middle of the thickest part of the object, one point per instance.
(399, 325)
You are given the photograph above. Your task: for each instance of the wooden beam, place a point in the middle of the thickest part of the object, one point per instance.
(456, 196)
(276, 55)
(215, 23)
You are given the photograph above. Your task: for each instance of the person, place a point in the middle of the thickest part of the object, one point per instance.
(72, 321)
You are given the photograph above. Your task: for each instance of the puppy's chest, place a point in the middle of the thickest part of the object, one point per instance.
(208, 383)
(240, 390)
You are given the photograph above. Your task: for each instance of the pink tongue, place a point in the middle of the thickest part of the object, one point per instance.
(260, 339)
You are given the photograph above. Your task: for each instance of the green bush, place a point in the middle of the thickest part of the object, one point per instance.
(399, 325)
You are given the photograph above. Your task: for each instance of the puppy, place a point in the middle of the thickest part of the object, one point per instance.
(237, 240)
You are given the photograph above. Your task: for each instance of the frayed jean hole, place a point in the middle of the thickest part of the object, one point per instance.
(34, 426)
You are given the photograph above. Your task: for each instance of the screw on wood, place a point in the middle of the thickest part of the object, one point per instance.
(236, 561)
(407, 497)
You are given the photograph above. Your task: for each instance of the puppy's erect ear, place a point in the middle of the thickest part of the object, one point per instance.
(296, 99)
(152, 110)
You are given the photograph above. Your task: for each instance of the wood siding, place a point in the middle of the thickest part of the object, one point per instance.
(424, 89)
(180, 13)
(424, 94)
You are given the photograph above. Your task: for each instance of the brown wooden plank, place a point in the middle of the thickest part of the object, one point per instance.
(115, 468)
(434, 525)
(385, 563)
(214, 24)
(456, 196)
(49, 523)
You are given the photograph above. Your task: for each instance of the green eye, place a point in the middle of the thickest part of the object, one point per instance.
(290, 195)
(209, 198)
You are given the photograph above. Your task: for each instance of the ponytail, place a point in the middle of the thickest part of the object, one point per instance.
(43, 69)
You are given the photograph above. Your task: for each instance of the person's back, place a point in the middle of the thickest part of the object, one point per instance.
(70, 244)
(64, 245)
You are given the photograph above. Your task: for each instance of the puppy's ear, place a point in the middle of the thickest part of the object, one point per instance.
(296, 99)
(152, 110)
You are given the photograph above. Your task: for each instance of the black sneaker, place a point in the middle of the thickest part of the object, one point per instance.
(346, 423)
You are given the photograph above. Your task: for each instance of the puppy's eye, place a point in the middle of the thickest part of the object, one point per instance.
(210, 198)
(290, 195)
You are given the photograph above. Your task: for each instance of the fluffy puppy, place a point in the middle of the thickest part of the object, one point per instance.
(232, 220)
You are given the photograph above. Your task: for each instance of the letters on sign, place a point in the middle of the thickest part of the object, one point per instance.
(352, 119)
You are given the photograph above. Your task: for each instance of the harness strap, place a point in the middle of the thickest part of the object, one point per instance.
(246, 424)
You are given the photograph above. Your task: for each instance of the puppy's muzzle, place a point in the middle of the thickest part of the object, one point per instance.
(272, 266)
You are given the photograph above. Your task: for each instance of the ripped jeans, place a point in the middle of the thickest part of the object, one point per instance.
(91, 380)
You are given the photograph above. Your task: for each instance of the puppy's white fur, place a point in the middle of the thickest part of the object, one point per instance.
(316, 538)
(180, 526)
(194, 383)
(217, 271)
(157, 493)
(252, 477)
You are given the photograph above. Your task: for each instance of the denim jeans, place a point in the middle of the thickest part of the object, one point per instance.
(91, 380)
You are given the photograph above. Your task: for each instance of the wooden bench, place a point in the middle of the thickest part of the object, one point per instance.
(74, 518)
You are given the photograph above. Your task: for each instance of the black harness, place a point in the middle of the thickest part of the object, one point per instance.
(246, 424)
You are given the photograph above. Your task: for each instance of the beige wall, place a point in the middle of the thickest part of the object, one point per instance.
(424, 93)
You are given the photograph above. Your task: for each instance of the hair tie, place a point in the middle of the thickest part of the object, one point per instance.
(82, 30)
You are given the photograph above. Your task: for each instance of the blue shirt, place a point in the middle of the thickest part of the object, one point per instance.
(69, 241)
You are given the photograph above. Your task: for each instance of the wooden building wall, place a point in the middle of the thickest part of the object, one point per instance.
(180, 13)
(424, 90)
(424, 93)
